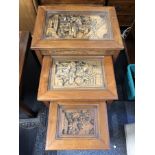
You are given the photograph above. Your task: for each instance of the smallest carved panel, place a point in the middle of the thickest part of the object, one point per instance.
(77, 121)
(77, 73)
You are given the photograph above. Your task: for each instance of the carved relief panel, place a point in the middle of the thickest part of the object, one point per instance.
(77, 125)
(76, 28)
(76, 78)
(77, 73)
(77, 25)
(77, 121)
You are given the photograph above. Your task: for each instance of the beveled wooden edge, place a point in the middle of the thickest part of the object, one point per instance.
(38, 26)
(38, 43)
(79, 52)
(110, 76)
(102, 142)
(43, 84)
(116, 28)
(110, 93)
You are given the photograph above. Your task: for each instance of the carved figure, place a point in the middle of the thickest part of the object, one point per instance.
(78, 122)
(77, 74)
(72, 26)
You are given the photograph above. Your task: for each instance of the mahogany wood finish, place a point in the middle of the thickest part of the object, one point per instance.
(45, 2)
(125, 11)
(38, 43)
(44, 94)
(100, 141)
(123, 7)
(126, 20)
(74, 52)
(23, 41)
(24, 38)
(39, 56)
(27, 14)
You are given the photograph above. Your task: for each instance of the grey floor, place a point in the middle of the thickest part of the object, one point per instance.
(32, 131)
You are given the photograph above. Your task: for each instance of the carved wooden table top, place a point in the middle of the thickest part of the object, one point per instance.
(76, 27)
(80, 78)
(77, 125)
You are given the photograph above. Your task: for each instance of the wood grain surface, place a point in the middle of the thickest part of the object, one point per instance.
(73, 143)
(110, 93)
(42, 44)
(27, 15)
(45, 2)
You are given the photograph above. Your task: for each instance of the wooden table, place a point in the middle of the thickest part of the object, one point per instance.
(76, 46)
(111, 44)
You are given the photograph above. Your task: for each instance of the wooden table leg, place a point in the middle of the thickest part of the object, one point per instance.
(46, 103)
(109, 102)
(39, 56)
(115, 56)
